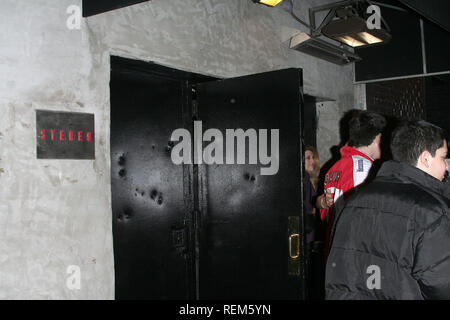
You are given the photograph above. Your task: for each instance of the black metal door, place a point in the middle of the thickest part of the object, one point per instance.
(150, 208)
(251, 225)
(205, 231)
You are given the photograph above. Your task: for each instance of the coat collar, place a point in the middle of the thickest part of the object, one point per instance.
(409, 174)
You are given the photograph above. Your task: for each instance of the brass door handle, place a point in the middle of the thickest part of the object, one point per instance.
(294, 237)
(293, 258)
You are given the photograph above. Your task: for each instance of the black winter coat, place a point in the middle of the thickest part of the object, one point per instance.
(392, 239)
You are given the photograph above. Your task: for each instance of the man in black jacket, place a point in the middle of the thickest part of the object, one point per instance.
(392, 238)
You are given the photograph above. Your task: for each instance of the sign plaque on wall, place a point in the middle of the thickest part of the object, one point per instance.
(64, 135)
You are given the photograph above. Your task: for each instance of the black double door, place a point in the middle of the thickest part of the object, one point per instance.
(197, 230)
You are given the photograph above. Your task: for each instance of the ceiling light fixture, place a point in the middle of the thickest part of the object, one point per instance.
(324, 50)
(353, 31)
(345, 22)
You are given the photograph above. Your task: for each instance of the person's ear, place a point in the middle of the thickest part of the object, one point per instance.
(378, 139)
(424, 159)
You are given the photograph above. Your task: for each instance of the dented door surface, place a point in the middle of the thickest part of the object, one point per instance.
(147, 190)
(246, 247)
(196, 231)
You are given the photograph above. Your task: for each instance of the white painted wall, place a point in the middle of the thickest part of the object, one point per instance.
(56, 213)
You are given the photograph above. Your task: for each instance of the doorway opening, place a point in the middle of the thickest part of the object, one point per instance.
(220, 231)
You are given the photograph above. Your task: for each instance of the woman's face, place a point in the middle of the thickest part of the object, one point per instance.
(309, 161)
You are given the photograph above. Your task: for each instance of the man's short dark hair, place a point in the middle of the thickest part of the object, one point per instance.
(364, 127)
(412, 138)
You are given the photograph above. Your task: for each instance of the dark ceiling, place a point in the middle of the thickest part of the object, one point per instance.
(437, 11)
(418, 45)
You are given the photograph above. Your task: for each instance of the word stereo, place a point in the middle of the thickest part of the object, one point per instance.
(213, 153)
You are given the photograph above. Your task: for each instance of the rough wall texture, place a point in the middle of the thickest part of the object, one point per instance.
(53, 213)
(360, 96)
(327, 129)
(56, 213)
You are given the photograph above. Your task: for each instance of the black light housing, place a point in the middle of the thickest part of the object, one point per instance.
(353, 31)
(322, 49)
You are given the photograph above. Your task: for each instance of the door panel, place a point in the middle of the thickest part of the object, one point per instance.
(244, 249)
(147, 190)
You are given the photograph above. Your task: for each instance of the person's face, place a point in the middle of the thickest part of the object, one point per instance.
(438, 163)
(309, 161)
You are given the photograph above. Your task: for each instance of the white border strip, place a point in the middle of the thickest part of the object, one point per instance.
(403, 77)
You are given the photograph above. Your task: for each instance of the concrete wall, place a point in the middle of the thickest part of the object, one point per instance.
(57, 213)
